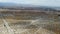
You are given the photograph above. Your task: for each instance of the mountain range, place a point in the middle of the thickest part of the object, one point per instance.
(26, 6)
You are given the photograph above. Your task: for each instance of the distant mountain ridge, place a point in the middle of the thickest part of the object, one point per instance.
(26, 6)
(15, 4)
(7, 4)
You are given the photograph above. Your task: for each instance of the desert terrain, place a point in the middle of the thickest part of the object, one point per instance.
(29, 22)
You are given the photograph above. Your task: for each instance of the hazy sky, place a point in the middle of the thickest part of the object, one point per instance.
(36, 2)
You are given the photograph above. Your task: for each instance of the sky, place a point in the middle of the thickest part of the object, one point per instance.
(35, 2)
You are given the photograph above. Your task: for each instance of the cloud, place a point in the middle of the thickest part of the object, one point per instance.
(35, 2)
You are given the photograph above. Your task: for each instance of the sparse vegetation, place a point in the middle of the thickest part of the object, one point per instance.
(19, 20)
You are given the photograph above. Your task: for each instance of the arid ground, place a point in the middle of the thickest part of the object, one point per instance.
(29, 22)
